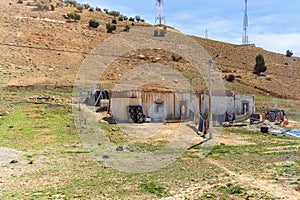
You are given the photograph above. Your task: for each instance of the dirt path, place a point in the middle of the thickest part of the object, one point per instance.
(276, 190)
(7, 155)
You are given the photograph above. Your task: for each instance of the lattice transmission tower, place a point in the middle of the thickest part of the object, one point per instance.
(160, 18)
(245, 39)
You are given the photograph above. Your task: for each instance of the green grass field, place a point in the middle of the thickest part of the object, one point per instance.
(55, 165)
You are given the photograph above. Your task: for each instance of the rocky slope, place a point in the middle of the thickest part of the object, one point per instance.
(41, 48)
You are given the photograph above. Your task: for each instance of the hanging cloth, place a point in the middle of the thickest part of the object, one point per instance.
(201, 125)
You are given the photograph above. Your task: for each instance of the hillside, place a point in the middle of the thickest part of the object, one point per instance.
(41, 48)
(51, 148)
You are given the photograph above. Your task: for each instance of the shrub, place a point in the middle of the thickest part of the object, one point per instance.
(131, 19)
(114, 21)
(230, 78)
(114, 13)
(98, 9)
(176, 58)
(71, 2)
(86, 6)
(74, 16)
(52, 7)
(110, 28)
(93, 23)
(120, 18)
(80, 8)
(91, 9)
(260, 64)
(43, 5)
(20, 1)
(125, 17)
(160, 32)
(127, 28)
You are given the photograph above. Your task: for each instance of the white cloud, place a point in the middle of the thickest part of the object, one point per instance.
(278, 42)
(273, 25)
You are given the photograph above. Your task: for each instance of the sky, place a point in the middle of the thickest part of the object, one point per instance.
(273, 24)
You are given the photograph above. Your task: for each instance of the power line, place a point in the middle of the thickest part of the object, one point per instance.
(43, 48)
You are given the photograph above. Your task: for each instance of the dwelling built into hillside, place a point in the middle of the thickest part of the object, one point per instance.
(163, 105)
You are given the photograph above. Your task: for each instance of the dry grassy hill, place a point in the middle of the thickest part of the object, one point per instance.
(43, 48)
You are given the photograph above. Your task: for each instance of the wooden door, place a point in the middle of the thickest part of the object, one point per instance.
(183, 110)
(245, 108)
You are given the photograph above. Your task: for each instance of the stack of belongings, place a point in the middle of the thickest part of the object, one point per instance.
(136, 113)
(276, 115)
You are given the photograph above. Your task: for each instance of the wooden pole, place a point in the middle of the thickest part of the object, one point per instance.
(210, 100)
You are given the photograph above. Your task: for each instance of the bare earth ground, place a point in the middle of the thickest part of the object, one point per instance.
(42, 156)
(53, 164)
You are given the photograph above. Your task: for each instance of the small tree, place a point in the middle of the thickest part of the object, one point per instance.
(114, 21)
(105, 10)
(93, 23)
(260, 65)
(110, 28)
(289, 53)
(138, 18)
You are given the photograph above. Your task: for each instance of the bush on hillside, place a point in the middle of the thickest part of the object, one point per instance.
(160, 32)
(114, 21)
(93, 23)
(127, 28)
(120, 18)
(114, 13)
(110, 28)
(43, 5)
(86, 6)
(73, 16)
(230, 78)
(71, 2)
(131, 19)
(52, 7)
(80, 8)
(176, 58)
(20, 1)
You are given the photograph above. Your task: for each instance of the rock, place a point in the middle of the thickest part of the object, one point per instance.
(268, 78)
(141, 57)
